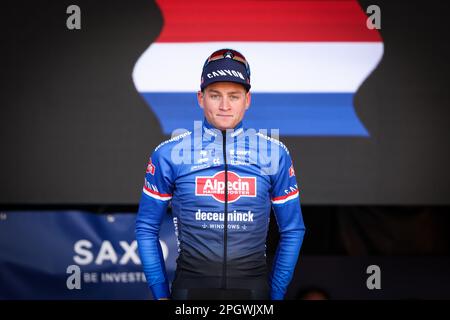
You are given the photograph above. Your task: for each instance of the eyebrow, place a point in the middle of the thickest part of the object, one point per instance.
(231, 92)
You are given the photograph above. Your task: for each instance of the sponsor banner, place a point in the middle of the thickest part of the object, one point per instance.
(75, 255)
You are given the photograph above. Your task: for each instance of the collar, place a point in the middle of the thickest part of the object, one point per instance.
(209, 130)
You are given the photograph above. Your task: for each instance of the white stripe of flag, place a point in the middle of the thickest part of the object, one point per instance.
(275, 66)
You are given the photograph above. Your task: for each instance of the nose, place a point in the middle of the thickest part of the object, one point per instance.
(225, 104)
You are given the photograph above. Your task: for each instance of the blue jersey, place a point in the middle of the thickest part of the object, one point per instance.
(221, 186)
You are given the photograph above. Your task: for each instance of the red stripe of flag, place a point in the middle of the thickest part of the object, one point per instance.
(273, 20)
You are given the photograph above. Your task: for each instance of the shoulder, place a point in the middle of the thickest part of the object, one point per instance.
(162, 154)
(167, 145)
(274, 143)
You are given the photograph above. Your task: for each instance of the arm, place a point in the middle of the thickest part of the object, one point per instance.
(286, 205)
(156, 193)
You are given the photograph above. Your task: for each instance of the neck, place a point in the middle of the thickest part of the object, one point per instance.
(209, 125)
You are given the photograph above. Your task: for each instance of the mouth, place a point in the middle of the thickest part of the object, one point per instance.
(225, 115)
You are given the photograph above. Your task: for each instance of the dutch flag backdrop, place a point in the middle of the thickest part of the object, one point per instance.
(307, 60)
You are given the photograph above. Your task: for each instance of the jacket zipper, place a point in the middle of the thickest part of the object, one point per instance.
(225, 222)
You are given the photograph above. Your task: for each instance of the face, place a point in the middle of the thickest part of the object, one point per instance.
(224, 104)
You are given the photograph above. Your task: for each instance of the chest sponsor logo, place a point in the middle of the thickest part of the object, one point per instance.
(214, 186)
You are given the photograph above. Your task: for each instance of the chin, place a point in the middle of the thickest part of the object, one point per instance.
(224, 125)
(228, 126)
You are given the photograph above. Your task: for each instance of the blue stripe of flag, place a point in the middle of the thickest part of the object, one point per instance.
(294, 114)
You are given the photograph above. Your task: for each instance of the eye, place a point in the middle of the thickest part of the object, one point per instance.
(214, 96)
(234, 98)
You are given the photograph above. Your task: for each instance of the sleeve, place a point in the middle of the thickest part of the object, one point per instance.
(156, 193)
(286, 207)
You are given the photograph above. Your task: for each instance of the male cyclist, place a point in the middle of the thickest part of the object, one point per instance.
(222, 180)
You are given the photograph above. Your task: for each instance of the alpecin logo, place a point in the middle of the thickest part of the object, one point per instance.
(215, 186)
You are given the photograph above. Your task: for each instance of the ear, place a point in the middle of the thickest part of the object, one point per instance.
(200, 97)
(248, 99)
